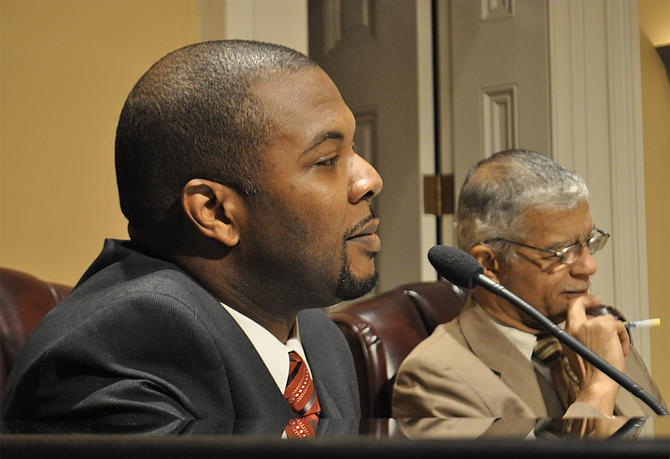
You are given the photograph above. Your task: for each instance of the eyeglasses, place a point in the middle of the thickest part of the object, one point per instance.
(567, 256)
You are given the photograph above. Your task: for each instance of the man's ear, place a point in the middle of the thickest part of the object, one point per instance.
(214, 209)
(488, 259)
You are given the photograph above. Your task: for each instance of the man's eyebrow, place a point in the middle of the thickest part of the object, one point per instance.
(563, 245)
(322, 137)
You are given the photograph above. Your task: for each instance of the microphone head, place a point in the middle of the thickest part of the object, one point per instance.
(457, 266)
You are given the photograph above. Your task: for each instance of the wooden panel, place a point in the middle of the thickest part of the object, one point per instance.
(346, 23)
(366, 130)
(500, 118)
(496, 9)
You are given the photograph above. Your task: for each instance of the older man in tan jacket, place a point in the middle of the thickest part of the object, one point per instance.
(527, 221)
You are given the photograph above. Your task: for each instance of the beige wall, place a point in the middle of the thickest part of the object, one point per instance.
(656, 120)
(654, 20)
(67, 67)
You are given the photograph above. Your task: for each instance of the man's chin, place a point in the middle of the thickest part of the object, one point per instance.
(351, 287)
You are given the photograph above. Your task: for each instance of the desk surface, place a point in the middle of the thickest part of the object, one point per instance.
(377, 438)
(203, 447)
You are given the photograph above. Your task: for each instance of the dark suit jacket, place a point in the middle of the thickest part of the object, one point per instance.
(139, 341)
(468, 368)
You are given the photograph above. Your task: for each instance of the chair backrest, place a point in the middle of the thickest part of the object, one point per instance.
(382, 331)
(24, 301)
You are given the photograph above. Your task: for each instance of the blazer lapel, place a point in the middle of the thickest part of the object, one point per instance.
(332, 365)
(627, 405)
(502, 356)
(329, 406)
(252, 387)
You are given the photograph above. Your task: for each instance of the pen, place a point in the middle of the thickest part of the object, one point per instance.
(643, 323)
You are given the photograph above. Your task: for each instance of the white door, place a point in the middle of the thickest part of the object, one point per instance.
(495, 58)
(374, 52)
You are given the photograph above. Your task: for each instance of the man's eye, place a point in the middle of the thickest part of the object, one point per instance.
(328, 162)
(356, 149)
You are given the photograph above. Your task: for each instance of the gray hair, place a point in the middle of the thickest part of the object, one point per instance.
(499, 190)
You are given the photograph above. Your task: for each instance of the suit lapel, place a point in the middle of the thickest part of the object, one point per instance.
(329, 407)
(253, 388)
(502, 356)
(627, 405)
(550, 396)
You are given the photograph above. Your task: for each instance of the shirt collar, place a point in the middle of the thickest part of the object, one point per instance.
(273, 352)
(525, 342)
(522, 340)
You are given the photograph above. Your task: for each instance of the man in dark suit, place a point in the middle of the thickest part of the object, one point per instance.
(527, 221)
(248, 210)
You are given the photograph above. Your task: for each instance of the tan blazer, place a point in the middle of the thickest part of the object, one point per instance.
(468, 368)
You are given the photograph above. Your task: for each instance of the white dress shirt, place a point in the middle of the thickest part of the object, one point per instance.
(273, 352)
(525, 342)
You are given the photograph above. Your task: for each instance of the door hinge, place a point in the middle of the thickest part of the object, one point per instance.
(438, 194)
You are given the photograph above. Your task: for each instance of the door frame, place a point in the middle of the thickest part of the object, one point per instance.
(597, 130)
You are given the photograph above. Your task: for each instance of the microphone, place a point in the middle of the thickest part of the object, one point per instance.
(463, 270)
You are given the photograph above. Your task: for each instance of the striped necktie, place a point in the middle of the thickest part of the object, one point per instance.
(301, 395)
(550, 350)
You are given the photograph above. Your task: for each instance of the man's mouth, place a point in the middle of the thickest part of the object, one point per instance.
(364, 234)
(577, 290)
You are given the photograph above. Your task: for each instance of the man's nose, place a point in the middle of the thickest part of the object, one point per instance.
(585, 264)
(366, 182)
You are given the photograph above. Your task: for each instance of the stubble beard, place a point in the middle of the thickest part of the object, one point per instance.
(350, 287)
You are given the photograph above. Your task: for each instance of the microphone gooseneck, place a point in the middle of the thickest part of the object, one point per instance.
(463, 270)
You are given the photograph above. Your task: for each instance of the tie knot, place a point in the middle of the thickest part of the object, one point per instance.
(547, 348)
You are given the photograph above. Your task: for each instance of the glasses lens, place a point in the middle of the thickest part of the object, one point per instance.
(598, 242)
(571, 254)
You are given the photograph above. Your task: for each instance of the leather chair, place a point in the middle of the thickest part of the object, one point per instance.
(382, 331)
(24, 301)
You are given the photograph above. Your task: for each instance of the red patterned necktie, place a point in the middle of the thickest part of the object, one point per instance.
(301, 395)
